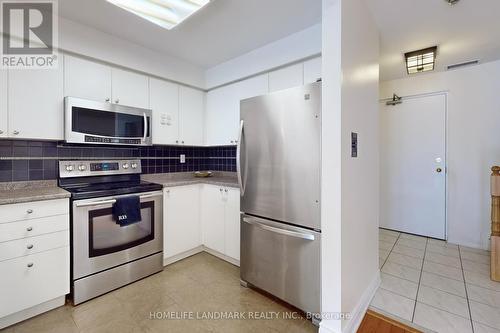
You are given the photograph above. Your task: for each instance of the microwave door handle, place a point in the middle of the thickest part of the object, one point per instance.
(145, 126)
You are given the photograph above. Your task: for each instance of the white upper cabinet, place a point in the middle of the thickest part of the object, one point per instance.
(182, 225)
(87, 79)
(164, 101)
(223, 109)
(3, 103)
(312, 70)
(232, 223)
(222, 117)
(35, 104)
(288, 77)
(191, 116)
(130, 89)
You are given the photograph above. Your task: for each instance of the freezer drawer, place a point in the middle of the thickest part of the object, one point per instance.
(282, 260)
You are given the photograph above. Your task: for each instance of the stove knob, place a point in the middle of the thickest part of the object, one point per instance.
(134, 165)
(125, 166)
(82, 167)
(69, 168)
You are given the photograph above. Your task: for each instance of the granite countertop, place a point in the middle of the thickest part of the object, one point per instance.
(17, 192)
(227, 179)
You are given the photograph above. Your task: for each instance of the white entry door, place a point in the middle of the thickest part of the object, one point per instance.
(413, 166)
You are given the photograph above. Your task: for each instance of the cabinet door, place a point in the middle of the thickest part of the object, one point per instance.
(86, 79)
(232, 223)
(3, 103)
(288, 77)
(223, 116)
(130, 89)
(164, 101)
(181, 226)
(35, 99)
(191, 112)
(212, 217)
(312, 70)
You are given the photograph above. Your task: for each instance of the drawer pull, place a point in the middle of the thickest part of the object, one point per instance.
(30, 265)
(29, 229)
(29, 247)
(29, 211)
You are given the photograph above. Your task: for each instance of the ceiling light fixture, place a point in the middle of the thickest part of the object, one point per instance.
(421, 60)
(165, 13)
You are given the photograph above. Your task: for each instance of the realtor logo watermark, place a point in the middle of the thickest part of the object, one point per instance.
(29, 34)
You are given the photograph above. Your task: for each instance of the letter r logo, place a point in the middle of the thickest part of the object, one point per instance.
(28, 27)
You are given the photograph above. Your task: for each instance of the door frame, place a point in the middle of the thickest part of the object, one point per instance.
(446, 138)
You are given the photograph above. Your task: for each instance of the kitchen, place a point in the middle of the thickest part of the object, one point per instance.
(164, 177)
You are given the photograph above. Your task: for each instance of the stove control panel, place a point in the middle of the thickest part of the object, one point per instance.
(68, 169)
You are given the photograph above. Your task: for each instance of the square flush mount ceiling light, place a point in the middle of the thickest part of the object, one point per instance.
(421, 60)
(165, 13)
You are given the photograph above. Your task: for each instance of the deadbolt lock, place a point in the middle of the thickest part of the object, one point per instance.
(439, 169)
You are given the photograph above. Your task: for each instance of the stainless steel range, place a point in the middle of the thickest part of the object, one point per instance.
(105, 254)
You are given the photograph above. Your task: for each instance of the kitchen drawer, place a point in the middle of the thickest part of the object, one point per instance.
(24, 286)
(33, 210)
(27, 246)
(29, 228)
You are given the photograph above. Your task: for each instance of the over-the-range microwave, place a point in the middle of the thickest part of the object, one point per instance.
(93, 122)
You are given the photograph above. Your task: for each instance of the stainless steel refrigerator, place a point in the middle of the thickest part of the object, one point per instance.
(278, 162)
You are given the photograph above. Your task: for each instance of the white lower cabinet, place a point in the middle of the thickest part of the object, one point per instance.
(220, 216)
(232, 223)
(201, 214)
(181, 223)
(34, 258)
(212, 217)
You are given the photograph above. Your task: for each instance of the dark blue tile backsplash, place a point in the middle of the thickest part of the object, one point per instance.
(22, 160)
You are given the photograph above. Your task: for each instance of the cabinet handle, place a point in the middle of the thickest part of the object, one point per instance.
(232, 141)
(108, 99)
(29, 247)
(30, 265)
(182, 142)
(29, 229)
(15, 132)
(176, 141)
(29, 211)
(220, 189)
(225, 190)
(117, 101)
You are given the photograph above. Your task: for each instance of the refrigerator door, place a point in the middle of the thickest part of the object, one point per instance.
(282, 260)
(279, 155)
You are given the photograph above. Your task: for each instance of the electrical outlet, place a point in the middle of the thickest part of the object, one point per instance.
(183, 158)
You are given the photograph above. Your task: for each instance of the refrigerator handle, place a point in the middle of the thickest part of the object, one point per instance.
(238, 159)
(278, 230)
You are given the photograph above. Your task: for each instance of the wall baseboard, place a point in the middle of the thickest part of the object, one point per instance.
(196, 250)
(32, 312)
(359, 311)
(183, 255)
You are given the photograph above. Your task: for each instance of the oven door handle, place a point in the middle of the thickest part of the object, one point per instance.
(107, 202)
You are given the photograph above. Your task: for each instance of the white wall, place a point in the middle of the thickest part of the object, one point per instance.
(350, 186)
(473, 143)
(270, 56)
(84, 40)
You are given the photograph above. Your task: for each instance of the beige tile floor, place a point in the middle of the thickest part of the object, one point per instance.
(436, 285)
(199, 284)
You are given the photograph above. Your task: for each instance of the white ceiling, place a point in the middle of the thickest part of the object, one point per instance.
(467, 31)
(221, 31)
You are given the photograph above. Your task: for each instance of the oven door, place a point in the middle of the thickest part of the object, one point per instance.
(105, 123)
(100, 243)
